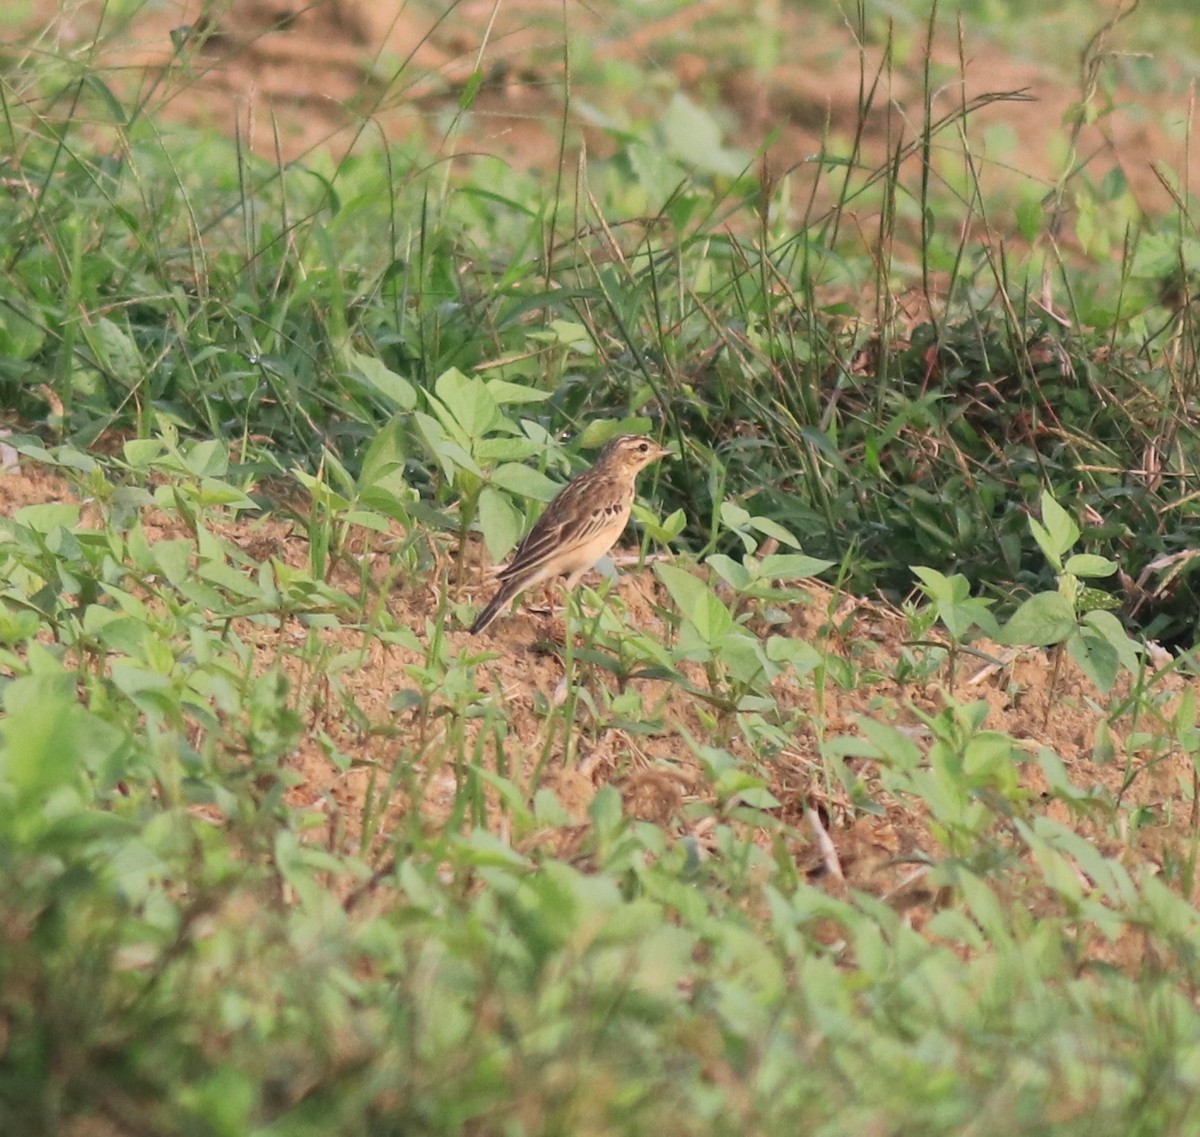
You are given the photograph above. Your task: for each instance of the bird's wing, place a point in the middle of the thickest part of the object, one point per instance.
(579, 513)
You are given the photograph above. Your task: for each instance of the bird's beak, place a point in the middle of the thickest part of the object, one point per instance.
(665, 452)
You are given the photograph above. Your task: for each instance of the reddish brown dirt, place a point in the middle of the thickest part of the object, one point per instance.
(295, 77)
(356, 747)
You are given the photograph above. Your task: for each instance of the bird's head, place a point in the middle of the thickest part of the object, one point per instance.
(630, 452)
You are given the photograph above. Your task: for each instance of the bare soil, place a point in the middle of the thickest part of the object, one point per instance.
(293, 77)
(357, 750)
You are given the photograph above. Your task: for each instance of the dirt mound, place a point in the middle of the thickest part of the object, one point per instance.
(295, 77)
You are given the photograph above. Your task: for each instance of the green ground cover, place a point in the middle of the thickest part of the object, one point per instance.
(192, 336)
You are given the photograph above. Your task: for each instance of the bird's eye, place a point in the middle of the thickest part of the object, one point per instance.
(643, 447)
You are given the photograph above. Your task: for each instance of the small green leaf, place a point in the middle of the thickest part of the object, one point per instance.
(471, 88)
(1030, 217)
(663, 532)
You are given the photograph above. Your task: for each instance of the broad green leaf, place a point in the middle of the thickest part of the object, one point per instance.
(212, 491)
(506, 393)
(734, 573)
(769, 528)
(499, 521)
(207, 459)
(174, 559)
(1044, 619)
(116, 352)
(938, 586)
(1046, 543)
(799, 654)
(469, 402)
(1106, 625)
(142, 453)
(1057, 870)
(568, 333)
(525, 481)
(20, 337)
(41, 730)
(115, 630)
(1030, 216)
(607, 812)
(1108, 874)
(696, 603)
(17, 624)
(745, 786)
(133, 680)
(501, 448)
(367, 519)
(986, 907)
(740, 652)
(686, 590)
(449, 453)
(792, 566)
(48, 516)
(394, 388)
(1090, 565)
(989, 758)
(711, 619)
(385, 455)
(884, 742)
(1060, 527)
(548, 810)
(1097, 659)
(693, 136)
(734, 515)
(600, 431)
(663, 532)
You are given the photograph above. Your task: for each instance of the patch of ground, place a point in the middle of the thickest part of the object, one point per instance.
(293, 78)
(364, 753)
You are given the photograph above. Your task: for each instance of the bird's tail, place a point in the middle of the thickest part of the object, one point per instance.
(491, 610)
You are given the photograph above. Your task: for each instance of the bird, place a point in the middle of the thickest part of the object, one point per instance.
(579, 526)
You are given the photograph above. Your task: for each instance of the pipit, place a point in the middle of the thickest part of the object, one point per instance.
(579, 526)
